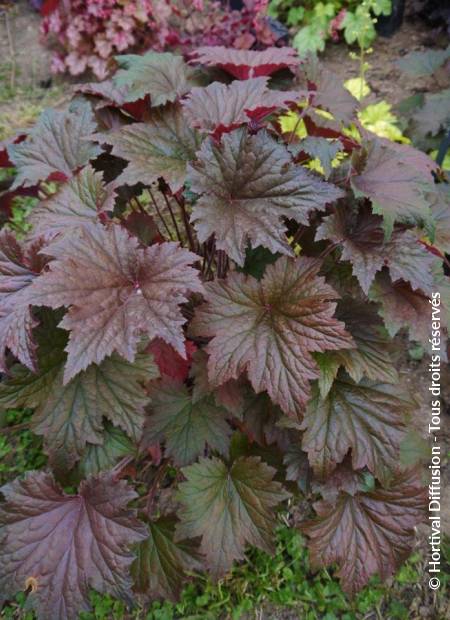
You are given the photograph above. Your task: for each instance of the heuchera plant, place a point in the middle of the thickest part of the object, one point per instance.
(202, 320)
(87, 35)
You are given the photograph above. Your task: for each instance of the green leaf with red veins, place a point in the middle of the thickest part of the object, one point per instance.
(78, 202)
(229, 507)
(65, 545)
(69, 416)
(161, 562)
(270, 328)
(163, 76)
(363, 245)
(397, 179)
(367, 418)
(115, 292)
(227, 106)
(248, 183)
(160, 147)
(402, 307)
(20, 264)
(56, 146)
(367, 533)
(185, 426)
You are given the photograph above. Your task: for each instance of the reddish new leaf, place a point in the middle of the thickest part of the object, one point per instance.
(77, 203)
(170, 362)
(19, 266)
(269, 328)
(248, 183)
(367, 418)
(115, 292)
(56, 146)
(67, 544)
(245, 64)
(367, 533)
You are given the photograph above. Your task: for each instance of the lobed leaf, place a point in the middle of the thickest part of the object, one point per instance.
(70, 416)
(56, 147)
(161, 562)
(269, 328)
(115, 292)
(229, 507)
(363, 244)
(163, 76)
(160, 147)
(20, 264)
(247, 184)
(402, 307)
(64, 545)
(417, 64)
(367, 533)
(367, 418)
(219, 108)
(77, 203)
(397, 179)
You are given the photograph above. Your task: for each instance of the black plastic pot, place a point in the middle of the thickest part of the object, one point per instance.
(387, 25)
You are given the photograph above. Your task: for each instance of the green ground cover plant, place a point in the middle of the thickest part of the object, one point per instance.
(200, 316)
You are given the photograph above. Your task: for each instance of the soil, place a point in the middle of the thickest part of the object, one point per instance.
(20, 44)
(384, 78)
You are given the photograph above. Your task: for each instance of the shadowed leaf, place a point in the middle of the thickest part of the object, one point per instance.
(186, 426)
(158, 570)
